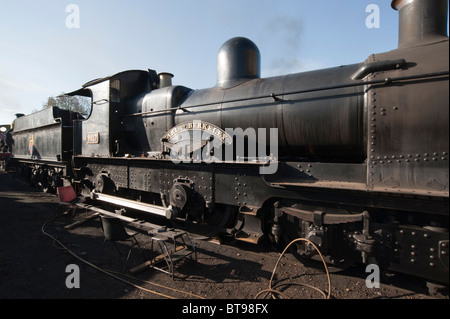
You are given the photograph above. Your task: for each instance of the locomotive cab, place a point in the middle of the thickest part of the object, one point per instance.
(102, 133)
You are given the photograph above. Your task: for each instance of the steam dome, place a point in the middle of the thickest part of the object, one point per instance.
(238, 61)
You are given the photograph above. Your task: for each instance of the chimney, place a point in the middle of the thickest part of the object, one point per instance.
(165, 79)
(421, 21)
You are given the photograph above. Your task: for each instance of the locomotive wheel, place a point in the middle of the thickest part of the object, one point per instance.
(223, 217)
(103, 184)
(179, 195)
(221, 221)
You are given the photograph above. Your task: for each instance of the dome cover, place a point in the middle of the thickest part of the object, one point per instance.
(238, 61)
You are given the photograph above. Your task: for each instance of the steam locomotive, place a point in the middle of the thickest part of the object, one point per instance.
(355, 157)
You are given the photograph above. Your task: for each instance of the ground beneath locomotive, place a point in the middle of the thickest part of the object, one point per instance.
(33, 265)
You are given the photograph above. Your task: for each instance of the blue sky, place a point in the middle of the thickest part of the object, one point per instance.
(41, 57)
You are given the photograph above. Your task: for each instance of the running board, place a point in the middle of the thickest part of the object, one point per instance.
(148, 208)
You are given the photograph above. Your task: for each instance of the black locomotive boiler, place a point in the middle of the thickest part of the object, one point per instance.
(361, 156)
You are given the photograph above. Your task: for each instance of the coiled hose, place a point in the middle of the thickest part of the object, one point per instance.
(273, 291)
